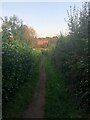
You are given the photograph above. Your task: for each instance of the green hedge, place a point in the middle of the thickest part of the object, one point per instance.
(17, 67)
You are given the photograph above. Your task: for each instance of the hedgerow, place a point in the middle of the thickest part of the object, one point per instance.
(71, 56)
(18, 64)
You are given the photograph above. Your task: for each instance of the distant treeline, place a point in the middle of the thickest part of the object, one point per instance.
(14, 29)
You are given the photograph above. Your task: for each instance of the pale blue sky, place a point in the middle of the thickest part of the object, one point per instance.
(47, 18)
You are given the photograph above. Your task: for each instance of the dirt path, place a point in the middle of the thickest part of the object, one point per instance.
(36, 108)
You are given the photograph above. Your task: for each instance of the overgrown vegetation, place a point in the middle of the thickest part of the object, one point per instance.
(59, 103)
(23, 96)
(67, 72)
(71, 55)
(19, 65)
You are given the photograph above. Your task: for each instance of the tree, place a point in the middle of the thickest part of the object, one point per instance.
(29, 34)
(73, 19)
(71, 53)
(12, 28)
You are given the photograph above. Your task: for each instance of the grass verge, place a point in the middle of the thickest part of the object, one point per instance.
(59, 103)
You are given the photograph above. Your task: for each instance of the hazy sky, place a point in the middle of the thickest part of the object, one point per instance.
(47, 18)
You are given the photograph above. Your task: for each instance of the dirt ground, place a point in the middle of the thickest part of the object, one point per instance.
(36, 108)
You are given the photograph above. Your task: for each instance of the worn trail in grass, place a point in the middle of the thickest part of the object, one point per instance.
(36, 108)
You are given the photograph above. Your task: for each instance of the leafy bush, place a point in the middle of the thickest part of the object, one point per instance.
(71, 54)
(17, 67)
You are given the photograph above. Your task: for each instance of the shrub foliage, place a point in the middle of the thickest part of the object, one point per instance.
(71, 54)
